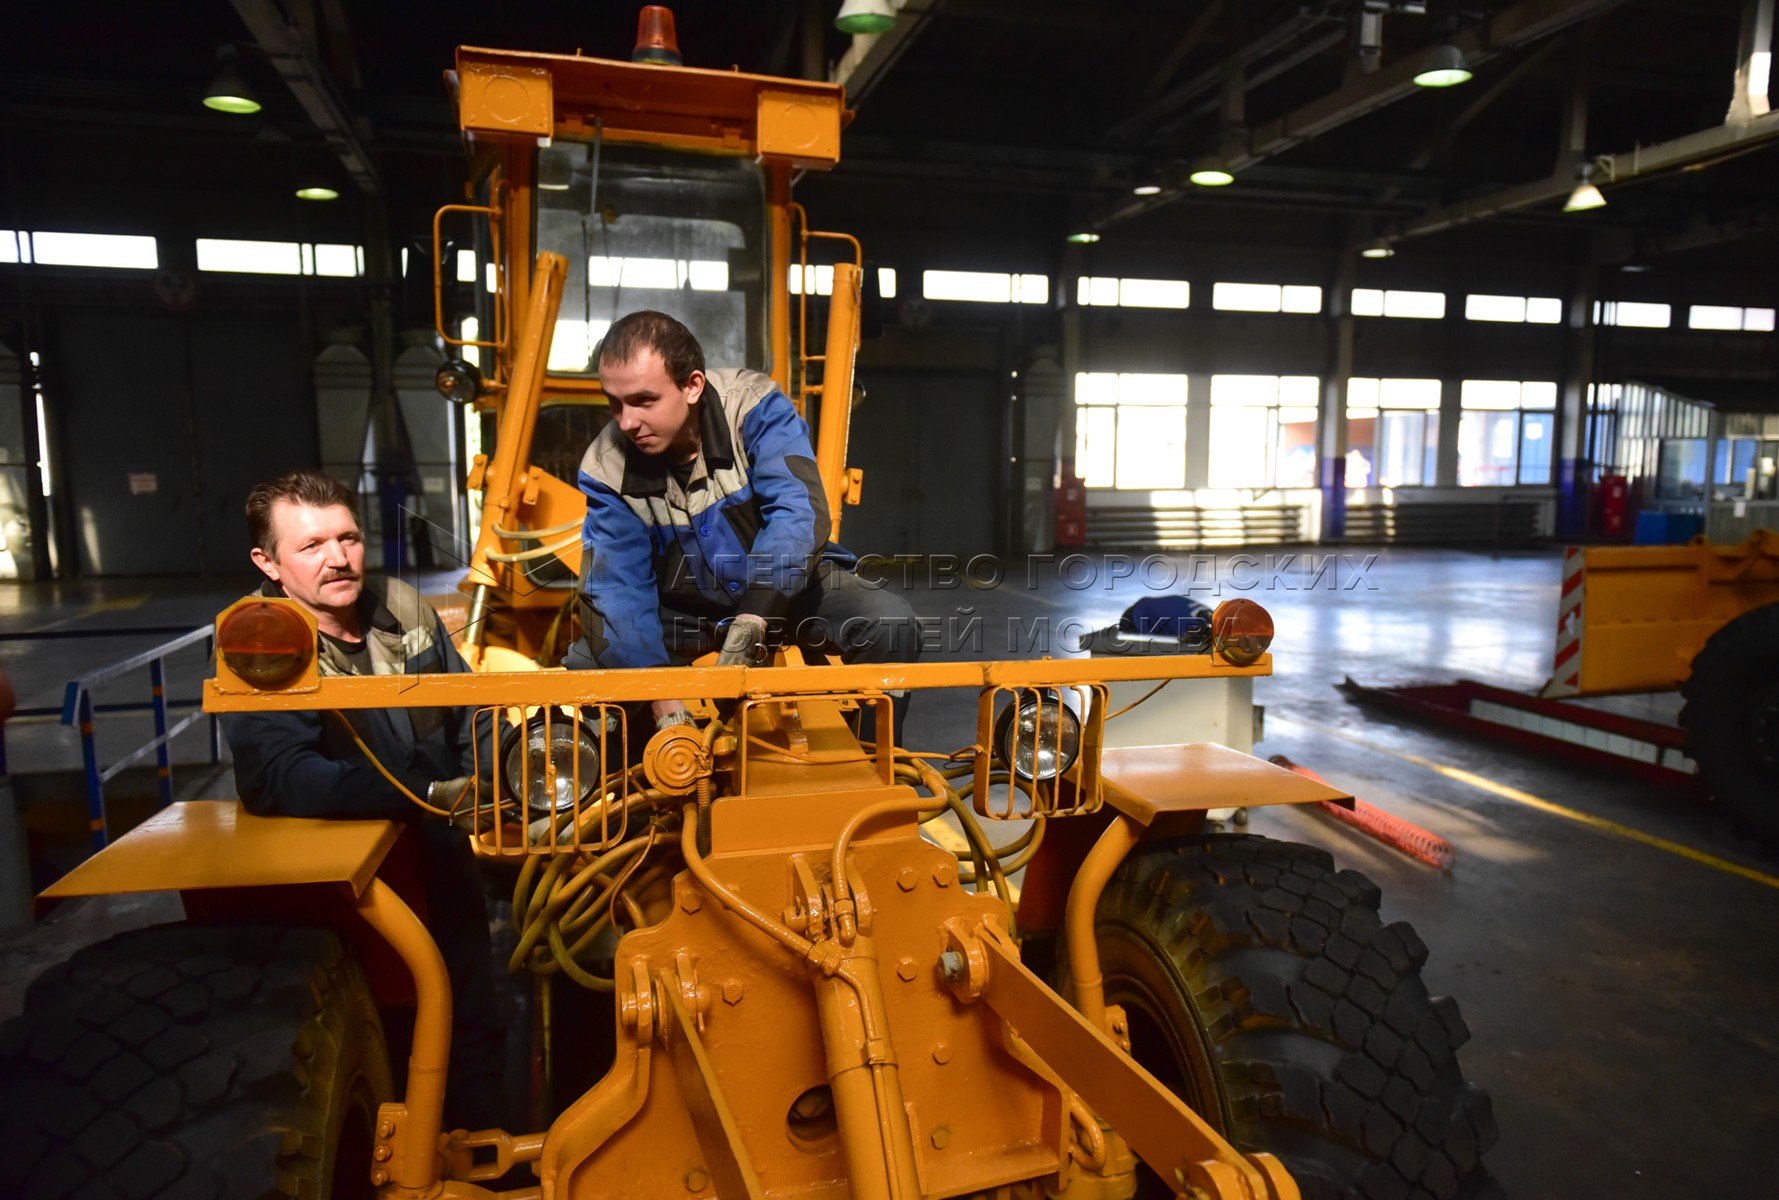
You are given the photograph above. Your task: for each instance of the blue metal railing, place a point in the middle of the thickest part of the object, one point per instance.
(78, 709)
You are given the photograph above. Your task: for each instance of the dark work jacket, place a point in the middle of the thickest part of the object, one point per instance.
(305, 764)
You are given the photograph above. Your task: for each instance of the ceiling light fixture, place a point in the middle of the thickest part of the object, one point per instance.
(1146, 189)
(1585, 195)
(555, 170)
(229, 93)
(865, 16)
(1211, 171)
(1377, 248)
(317, 189)
(1085, 237)
(1445, 67)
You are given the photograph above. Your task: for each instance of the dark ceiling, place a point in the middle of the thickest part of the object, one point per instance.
(1072, 100)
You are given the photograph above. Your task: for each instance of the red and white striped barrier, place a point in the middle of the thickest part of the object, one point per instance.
(1565, 679)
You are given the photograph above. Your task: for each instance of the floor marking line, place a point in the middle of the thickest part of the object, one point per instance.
(1547, 806)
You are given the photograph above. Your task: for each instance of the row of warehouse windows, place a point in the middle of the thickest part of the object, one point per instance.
(1130, 431)
(344, 261)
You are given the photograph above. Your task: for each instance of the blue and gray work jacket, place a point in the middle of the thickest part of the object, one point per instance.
(741, 528)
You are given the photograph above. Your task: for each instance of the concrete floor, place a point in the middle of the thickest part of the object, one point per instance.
(1620, 996)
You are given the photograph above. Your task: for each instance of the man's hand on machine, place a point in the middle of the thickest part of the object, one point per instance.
(455, 798)
(747, 634)
(669, 713)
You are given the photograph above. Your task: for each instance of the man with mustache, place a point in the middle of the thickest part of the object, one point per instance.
(307, 543)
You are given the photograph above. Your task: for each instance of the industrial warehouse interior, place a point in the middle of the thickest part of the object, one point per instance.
(1327, 455)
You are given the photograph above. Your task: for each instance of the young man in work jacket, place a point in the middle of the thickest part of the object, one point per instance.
(307, 542)
(704, 504)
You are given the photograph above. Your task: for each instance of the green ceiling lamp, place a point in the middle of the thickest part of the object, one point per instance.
(1445, 67)
(866, 16)
(229, 93)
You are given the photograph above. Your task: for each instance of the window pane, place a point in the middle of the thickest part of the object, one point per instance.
(886, 282)
(1401, 457)
(1152, 447)
(1544, 310)
(1423, 305)
(338, 261)
(1304, 391)
(1096, 290)
(1486, 448)
(1245, 297)
(14, 245)
(1537, 432)
(1494, 308)
(1362, 445)
(1301, 299)
(1362, 392)
(1368, 302)
(1538, 394)
(1296, 455)
(1031, 289)
(1096, 387)
(1152, 390)
(1238, 448)
(1409, 393)
(1757, 320)
(253, 258)
(94, 250)
(1489, 393)
(1713, 316)
(1154, 293)
(1249, 390)
(1639, 315)
(980, 286)
(1095, 445)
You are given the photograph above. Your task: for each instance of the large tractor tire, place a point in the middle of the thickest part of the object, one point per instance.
(1732, 719)
(194, 1062)
(1261, 987)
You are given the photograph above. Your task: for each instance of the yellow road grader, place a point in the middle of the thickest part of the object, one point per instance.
(808, 998)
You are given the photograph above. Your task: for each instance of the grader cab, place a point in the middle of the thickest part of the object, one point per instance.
(599, 187)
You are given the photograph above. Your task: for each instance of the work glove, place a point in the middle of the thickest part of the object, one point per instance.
(678, 716)
(456, 797)
(745, 641)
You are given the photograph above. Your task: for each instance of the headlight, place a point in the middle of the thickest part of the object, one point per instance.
(1037, 735)
(551, 763)
(458, 381)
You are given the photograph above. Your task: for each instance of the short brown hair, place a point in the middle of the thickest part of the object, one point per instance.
(647, 329)
(314, 489)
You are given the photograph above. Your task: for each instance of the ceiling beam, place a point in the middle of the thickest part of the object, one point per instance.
(1524, 23)
(1643, 162)
(294, 59)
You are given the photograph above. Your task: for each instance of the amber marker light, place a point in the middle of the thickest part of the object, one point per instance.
(656, 39)
(265, 644)
(1241, 631)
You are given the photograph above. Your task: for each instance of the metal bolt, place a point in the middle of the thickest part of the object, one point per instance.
(905, 879)
(690, 900)
(732, 991)
(941, 1137)
(696, 1179)
(906, 970)
(386, 1129)
(379, 1177)
(944, 873)
(381, 1153)
(941, 1052)
(951, 966)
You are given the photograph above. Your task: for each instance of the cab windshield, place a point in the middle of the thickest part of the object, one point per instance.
(645, 227)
